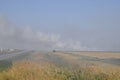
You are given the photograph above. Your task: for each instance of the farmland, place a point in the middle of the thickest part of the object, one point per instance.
(43, 65)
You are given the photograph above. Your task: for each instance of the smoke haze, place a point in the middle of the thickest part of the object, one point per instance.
(12, 36)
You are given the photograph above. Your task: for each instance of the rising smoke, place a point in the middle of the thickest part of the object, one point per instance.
(12, 36)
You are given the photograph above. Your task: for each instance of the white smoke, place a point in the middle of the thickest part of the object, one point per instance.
(26, 38)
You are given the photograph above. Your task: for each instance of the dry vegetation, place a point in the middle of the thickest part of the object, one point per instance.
(27, 70)
(100, 55)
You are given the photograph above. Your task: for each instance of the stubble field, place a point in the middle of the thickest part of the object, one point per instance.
(38, 65)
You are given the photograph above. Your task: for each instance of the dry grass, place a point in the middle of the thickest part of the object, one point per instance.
(27, 70)
(99, 54)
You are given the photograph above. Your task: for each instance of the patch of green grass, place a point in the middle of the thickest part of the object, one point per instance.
(4, 65)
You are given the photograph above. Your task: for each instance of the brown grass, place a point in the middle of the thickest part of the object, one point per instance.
(99, 54)
(28, 70)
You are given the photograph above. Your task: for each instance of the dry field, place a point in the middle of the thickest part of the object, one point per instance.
(100, 54)
(63, 66)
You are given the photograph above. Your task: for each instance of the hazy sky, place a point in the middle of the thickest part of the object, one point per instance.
(60, 24)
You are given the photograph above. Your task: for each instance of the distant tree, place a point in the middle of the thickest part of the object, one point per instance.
(54, 50)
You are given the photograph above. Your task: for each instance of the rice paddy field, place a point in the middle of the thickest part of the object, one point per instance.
(61, 65)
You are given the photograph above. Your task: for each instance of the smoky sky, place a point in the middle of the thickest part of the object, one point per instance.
(61, 25)
(94, 38)
(103, 34)
(12, 36)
